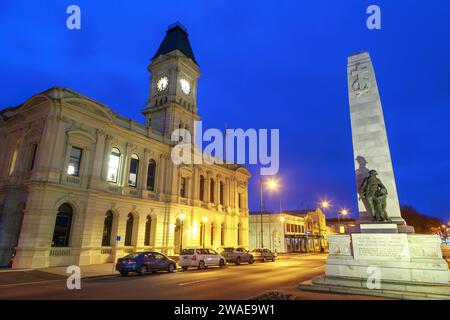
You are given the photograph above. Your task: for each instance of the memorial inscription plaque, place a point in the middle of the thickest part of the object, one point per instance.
(390, 247)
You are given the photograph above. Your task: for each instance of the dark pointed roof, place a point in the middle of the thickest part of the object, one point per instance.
(176, 38)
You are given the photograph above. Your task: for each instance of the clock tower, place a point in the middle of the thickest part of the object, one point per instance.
(172, 102)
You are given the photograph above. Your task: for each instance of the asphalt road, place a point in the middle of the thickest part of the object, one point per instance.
(231, 282)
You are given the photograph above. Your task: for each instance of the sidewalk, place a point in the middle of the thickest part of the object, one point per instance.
(10, 277)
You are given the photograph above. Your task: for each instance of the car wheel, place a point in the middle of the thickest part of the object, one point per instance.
(221, 263)
(251, 260)
(184, 268)
(123, 273)
(202, 265)
(238, 261)
(264, 259)
(142, 270)
(171, 268)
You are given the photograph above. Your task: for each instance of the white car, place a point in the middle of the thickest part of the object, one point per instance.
(200, 258)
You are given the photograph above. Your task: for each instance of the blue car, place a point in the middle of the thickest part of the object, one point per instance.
(143, 262)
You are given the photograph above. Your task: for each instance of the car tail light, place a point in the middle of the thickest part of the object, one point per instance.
(194, 257)
(131, 261)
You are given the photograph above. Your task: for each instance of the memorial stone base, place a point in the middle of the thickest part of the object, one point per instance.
(380, 261)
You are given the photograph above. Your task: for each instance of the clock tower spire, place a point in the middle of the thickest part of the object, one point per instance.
(172, 102)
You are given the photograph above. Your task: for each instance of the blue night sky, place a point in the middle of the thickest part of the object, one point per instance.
(265, 64)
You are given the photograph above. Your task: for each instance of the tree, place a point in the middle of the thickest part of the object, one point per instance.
(422, 223)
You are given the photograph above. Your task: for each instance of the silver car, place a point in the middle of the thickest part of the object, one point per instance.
(237, 255)
(263, 255)
(200, 258)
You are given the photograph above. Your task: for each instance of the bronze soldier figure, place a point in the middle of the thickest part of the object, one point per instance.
(374, 193)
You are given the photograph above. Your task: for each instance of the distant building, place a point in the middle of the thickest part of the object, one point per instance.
(340, 226)
(289, 231)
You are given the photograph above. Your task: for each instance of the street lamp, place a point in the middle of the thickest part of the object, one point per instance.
(181, 217)
(325, 204)
(204, 219)
(344, 212)
(271, 184)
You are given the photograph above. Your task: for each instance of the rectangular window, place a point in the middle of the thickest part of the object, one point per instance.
(134, 166)
(239, 201)
(75, 162)
(33, 157)
(113, 167)
(183, 188)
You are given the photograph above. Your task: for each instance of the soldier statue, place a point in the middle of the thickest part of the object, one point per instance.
(374, 195)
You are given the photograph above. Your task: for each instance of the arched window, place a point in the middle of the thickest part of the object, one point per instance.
(63, 224)
(134, 167)
(239, 234)
(148, 230)
(222, 234)
(107, 229)
(211, 191)
(221, 192)
(202, 188)
(151, 175)
(129, 230)
(113, 166)
(212, 234)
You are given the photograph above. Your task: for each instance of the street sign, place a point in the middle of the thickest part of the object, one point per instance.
(118, 238)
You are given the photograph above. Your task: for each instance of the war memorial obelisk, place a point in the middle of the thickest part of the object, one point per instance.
(381, 256)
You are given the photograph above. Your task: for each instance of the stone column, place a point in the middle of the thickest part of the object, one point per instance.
(126, 164)
(208, 187)
(98, 157)
(143, 170)
(161, 174)
(370, 142)
(106, 153)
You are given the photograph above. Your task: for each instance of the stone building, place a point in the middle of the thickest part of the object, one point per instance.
(81, 184)
(289, 231)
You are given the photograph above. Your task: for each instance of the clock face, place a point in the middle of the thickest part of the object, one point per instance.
(185, 86)
(162, 84)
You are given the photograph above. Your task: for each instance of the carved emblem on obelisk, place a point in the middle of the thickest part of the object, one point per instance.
(361, 84)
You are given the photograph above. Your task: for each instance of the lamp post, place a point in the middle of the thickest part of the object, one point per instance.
(344, 212)
(272, 184)
(181, 217)
(204, 219)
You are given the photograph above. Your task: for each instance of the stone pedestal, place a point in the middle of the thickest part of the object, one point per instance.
(368, 263)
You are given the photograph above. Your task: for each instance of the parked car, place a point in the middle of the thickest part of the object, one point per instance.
(143, 262)
(263, 255)
(237, 255)
(200, 258)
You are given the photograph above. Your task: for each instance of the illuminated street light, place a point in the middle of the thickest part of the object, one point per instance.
(344, 212)
(272, 184)
(282, 219)
(204, 219)
(325, 204)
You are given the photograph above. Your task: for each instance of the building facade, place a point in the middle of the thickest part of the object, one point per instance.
(81, 184)
(290, 231)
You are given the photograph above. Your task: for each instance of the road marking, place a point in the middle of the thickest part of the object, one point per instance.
(198, 281)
